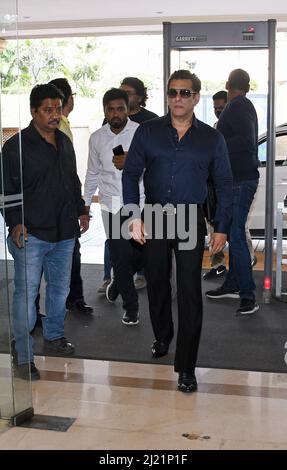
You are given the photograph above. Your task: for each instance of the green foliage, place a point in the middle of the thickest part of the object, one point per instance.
(41, 60)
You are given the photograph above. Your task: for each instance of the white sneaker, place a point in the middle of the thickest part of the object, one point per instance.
(140, 282)
(102, 289)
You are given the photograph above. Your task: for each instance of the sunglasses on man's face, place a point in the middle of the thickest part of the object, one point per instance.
(182, 92)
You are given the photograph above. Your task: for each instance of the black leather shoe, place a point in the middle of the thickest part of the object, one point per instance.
(39, 319)
(83, 307)
(159, 349)
(14, 353)
(60, 345)
(79, 305)
(187, 382)
(27, 371)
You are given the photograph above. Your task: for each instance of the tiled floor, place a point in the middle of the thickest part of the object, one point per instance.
(136, 406)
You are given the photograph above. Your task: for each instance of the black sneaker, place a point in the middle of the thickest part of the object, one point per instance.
(130, 318)
(112, 291)
(215, 272)
(222, 293)
(27, 370)
(60, 345)
(247, 307)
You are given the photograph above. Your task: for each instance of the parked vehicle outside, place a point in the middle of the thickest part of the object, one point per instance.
(256, 219)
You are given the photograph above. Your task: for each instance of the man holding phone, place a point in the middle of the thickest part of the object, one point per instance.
(108, 148)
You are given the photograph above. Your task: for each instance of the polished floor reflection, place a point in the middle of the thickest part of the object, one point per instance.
(136, 406)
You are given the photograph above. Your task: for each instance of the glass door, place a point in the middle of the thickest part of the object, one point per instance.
(15, 391)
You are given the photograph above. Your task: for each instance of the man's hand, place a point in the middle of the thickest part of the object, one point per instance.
(137, 231)
(217, 242)
(16, 233)
(84, 223)
(119, 160)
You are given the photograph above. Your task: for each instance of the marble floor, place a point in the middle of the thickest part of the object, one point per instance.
(124, 406)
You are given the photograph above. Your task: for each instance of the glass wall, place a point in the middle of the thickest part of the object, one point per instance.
(213, 68)
(15, 391)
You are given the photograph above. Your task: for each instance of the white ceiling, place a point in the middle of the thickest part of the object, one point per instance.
(41, 17)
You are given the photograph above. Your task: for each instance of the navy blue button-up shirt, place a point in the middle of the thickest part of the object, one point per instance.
(176, 171)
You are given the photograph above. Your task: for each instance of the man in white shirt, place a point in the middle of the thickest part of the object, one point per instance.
(105, 174)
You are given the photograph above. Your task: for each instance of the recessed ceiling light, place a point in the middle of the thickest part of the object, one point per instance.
(159, 12)
(26, 17)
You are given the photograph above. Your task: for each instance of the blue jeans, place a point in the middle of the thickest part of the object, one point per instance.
(240, 276)
(55, 259)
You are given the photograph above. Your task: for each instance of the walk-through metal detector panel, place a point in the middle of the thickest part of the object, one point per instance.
(222, 35)
(236, 35)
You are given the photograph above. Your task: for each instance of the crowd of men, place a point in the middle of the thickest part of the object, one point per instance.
(152, 175)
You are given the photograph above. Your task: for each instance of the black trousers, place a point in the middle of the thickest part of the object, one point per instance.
(127, 259)
(158, 254)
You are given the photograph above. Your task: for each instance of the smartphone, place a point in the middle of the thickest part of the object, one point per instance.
(118, 150)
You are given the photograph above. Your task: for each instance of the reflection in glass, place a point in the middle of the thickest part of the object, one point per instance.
(15, 393)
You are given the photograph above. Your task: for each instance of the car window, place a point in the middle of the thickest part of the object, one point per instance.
(281, 151)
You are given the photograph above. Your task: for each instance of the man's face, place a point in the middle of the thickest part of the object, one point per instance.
(134, 98)
(116, 113)
(47, 117)
(218, 106)
(182, 104)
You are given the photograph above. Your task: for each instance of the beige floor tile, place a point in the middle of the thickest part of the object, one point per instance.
(164, 372)
(247, 445)
(90, 438)
(143, 410)
(238, 377)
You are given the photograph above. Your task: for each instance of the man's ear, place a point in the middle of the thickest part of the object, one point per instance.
(196, 99)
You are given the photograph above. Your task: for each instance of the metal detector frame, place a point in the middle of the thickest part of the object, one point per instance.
(236, 35)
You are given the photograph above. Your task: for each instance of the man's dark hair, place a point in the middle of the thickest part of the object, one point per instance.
(220, 95)
(139, 88)
(115, 94)
(63, 85)
(239, 80)
(186, 75)
(41, 92)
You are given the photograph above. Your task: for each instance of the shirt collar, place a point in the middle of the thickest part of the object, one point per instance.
(65, 119)
(129, 125)
(35, 135)
(167, 120)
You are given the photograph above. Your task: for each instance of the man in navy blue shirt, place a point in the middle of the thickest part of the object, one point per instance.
(177, 152)
(239, 126)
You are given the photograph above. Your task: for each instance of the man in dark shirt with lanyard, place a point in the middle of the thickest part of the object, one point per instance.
(52, 206)
(176, 153)
(239, 126)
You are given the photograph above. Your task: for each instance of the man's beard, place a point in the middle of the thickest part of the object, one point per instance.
(117, 123)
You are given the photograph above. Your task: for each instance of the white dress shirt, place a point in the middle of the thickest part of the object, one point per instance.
(101, 172)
